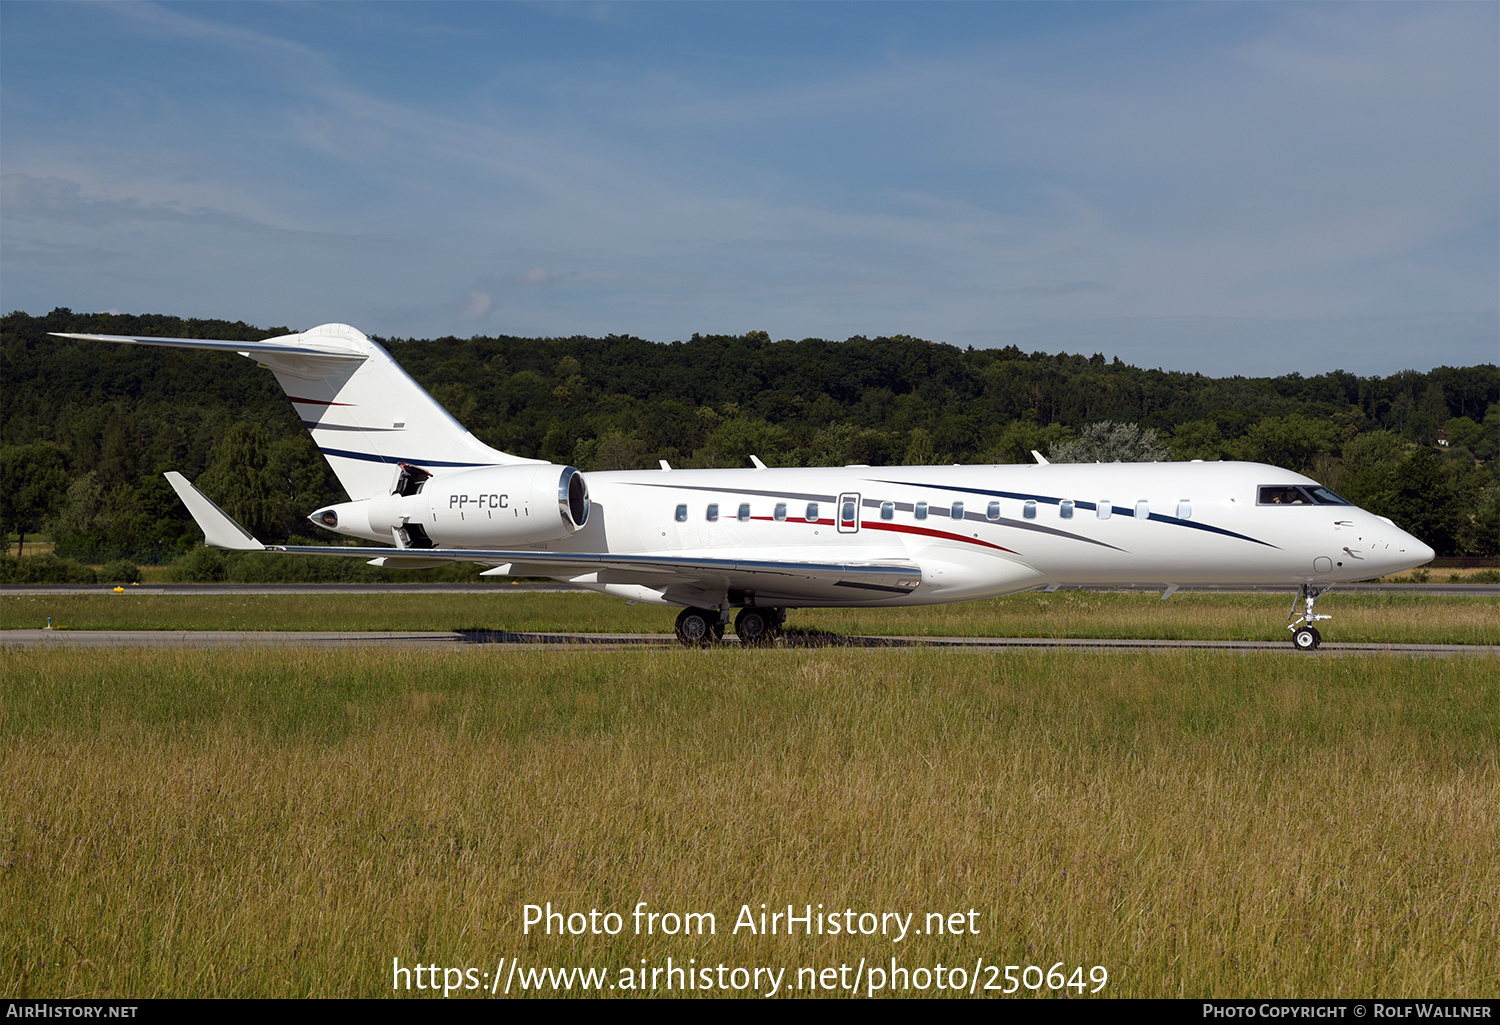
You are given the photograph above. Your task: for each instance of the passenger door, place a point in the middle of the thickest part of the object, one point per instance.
(848, 513)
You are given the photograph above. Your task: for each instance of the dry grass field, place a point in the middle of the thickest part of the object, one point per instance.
(275, 823)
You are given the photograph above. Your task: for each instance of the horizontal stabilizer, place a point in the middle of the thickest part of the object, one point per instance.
(300, 347)
(365, 414)
(219, 528)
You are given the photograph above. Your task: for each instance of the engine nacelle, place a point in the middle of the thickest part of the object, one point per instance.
(486, 507)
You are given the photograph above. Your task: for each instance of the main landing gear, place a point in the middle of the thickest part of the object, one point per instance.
(699, 628)
(1305, 636)
(758, 627)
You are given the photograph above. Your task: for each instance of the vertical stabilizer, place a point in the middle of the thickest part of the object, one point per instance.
(365, 413)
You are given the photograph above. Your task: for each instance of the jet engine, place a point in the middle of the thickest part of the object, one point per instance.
(485, 507)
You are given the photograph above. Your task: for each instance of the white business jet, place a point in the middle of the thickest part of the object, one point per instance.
(766, 539)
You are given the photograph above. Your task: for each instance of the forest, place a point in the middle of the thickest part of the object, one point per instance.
(87, 429)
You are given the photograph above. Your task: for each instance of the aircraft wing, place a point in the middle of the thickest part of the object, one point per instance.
(678, 578)
(674, 576)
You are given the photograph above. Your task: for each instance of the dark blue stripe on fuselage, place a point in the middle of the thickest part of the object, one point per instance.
(1023, 497)
(370, 457)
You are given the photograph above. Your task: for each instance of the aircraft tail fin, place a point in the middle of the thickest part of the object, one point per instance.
(365, 413)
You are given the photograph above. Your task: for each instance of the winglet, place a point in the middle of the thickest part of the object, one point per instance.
(758, 464)
(219, 529)
(1040, 459)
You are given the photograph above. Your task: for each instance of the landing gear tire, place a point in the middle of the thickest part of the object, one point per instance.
(1307, 639)
(698, 628)
(757, 627)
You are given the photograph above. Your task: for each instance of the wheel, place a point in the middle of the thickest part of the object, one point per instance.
(755, 627)
(1317, 637)
(696, 628)
(1305, 638)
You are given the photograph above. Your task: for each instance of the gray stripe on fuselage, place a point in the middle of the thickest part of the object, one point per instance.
(737, 491)
(1082, 504)
(905, 507)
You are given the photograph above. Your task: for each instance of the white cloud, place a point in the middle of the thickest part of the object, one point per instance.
(479, 305)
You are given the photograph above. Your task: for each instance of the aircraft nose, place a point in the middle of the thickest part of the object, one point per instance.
(1413, 552)
(1393, 550)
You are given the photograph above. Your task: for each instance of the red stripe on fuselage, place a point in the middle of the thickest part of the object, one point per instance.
(902, 529)
(929, 532)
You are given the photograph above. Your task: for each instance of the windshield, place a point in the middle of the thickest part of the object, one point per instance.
(1298, 494)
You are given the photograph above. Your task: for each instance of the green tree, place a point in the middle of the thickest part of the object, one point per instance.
(1295, 442)
(1111, 442)
(33, 481)
(1021, 437)
(1197, 439)
(734, 441)
(238, 477)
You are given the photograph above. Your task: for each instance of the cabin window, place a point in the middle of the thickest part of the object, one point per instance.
(812, 512)
(744, 513)
(1143, 510)
(780, 513)
(1105, 509)
(887, 510)
(847, 515)
(1184, 509)
(921, 510)
(713, 512)
(958, 510)
(993, 512)
(681, 516)
(1029, 510)
(1065, 508)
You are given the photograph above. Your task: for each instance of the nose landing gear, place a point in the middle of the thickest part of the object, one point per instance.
(1305, 636)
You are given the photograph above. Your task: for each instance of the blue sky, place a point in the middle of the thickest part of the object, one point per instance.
(1222, 188)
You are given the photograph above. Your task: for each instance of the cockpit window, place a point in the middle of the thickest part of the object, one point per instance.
(1288, 494)
(1323, 496)
(1298, 494)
